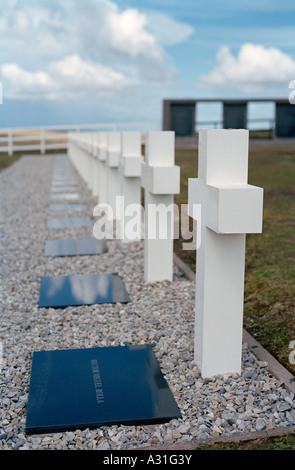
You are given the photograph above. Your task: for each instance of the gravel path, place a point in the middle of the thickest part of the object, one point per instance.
(160, 314)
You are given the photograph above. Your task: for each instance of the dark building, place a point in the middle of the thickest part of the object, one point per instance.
(180, 116)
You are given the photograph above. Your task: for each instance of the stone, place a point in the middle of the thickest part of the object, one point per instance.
(89, 388)
(68, 222)
(260, 424)
(284, 407)
(66, 207)
(176, 434)
(72, 247)
(88, 289)
(66, 196)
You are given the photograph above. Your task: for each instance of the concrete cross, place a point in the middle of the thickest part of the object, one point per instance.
(130, 171)
(96, 165)
(113, 174)
(161, 180)
(101, 142)
(230, 208)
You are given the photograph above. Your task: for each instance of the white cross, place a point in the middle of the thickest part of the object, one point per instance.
(101, 140)
(230, 208)
(96, 165)
(113, 162)
(130, 170)
(161, 180)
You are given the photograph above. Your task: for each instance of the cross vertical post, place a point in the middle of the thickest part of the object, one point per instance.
(130, 169)
(101, 140)
(113, 161)
(161, 180)
(91, 162)
(230, 208)
(97, 165)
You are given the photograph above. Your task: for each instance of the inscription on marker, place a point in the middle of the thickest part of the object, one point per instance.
(97, 381)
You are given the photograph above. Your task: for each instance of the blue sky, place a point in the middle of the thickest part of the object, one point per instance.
(95, 61)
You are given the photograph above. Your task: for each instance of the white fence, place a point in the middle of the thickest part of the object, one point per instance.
(52, 138)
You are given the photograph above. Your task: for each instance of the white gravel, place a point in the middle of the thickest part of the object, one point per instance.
(161, 314)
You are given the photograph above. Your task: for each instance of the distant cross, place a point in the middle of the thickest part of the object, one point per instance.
(130, 168)
(230, 208)
(101, 140)
(113, 174)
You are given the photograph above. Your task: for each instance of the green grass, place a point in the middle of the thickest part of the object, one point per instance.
(270, 267)
(6, 160)
(285, 442)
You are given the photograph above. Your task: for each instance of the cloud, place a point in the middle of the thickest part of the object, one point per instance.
(166, 30)
(66, 79)
(69, 47)
(255, 68)
(127, 40)
(23, 84)
(128, 34)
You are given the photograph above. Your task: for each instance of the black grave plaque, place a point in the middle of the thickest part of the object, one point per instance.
(62, 181)
(89, 388)
(63, 189)
(68, 196)
(88, 289)
(68, 222)
(61, 177)
(87, 246)
(66, 207)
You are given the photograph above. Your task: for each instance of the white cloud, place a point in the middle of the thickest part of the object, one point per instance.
(167, 30)
(19, 83)
(88, 77)
(94, 45)
(128, 34)
(255, 68)
(69, 78)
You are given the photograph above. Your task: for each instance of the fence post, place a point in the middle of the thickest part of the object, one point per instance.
(42, 141)
(10, 143)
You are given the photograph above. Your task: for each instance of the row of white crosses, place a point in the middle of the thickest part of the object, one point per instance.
(230, 208)
(112, 165)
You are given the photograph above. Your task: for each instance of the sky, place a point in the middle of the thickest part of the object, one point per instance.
(101, 61)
